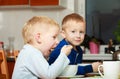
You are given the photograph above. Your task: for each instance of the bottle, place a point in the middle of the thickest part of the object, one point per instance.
(111, 48)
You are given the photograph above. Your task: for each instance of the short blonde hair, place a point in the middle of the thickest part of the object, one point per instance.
(29, 28)
(72, 17)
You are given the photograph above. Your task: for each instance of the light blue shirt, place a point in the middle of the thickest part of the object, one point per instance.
(31, 64)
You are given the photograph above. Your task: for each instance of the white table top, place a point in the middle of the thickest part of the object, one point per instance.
(81, 77)
(88, 78)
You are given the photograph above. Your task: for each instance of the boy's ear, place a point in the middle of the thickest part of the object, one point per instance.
(62, 33)
(37, 37)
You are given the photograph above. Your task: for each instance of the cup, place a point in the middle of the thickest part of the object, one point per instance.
(94, 48)
(119, 69)
(111, 69)
(70, 70)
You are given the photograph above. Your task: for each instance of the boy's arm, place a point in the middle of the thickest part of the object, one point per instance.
(82, 70)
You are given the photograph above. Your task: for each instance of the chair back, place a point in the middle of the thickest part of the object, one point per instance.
(16, 52)
(3, 64)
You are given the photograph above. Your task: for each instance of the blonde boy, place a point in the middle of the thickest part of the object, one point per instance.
(40, 36)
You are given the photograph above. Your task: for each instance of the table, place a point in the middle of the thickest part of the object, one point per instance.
(94, 77)
(87, 76)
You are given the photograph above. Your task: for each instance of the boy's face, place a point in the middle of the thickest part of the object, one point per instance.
(74, 32)
(49, 40)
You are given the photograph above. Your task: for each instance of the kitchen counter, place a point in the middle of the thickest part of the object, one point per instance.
(85, 57)
(97, 56)
(10, 59)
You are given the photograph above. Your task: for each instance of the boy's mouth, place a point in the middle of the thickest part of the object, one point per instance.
(51, 49)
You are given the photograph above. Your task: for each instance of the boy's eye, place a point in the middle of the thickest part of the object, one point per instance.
(81, 32)
(54, 37)
(73, 31)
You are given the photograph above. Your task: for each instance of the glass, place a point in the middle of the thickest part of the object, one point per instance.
(10, 51)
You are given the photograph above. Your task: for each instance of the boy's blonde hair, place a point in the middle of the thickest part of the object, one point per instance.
(71, 17)
(29, 28)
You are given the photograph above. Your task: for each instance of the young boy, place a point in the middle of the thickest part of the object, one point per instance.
(40, 36)
(73, 32)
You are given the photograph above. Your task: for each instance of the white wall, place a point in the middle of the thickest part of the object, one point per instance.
(13, 19)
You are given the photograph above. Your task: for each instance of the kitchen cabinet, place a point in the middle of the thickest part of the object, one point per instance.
(43, 2)
(49, 3)
(13, 2)
(33, 3)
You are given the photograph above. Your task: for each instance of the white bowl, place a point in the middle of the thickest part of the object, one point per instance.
(70, 70)
(84, 64)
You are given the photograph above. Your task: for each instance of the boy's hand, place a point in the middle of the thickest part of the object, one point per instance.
(66, 49)
(95, 66)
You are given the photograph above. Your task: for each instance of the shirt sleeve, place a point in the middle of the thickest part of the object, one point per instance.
(84, 69)
(44, 70)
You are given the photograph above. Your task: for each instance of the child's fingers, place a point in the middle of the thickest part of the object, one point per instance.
(68, 46)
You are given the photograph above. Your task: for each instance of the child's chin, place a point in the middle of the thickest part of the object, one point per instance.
(77, 44)
(49, 51)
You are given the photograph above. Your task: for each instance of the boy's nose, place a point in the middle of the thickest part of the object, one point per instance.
(57, 41)
(78, 34)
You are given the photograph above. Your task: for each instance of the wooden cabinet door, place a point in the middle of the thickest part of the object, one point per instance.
(43, 2)
(14, 2)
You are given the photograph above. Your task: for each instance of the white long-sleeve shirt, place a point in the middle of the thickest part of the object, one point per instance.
(31, 64)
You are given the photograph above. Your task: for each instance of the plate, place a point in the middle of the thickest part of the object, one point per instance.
(76, 76)
(94, 73)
